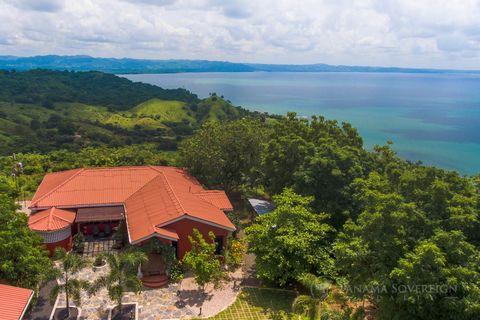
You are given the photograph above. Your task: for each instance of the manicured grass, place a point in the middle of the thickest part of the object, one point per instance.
(258, 304)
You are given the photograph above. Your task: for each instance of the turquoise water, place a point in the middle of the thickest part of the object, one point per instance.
(434, 118)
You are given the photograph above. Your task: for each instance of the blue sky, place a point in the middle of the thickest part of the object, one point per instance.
(406, 33)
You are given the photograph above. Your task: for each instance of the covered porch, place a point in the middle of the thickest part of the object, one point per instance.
(99, 222)
(153, 273)
(161, 255)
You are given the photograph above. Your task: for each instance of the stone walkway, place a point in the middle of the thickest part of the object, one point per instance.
(153, 304)
(177, 301)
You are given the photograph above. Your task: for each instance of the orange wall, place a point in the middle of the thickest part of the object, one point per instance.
(184, 228)
(66, 243)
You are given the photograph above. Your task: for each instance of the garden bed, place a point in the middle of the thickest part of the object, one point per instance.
(129, 312)
(61, 314)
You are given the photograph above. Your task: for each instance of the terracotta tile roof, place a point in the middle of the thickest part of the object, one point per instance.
(216, 197)
(13, 302)
(50, 219)
(94, 187)
(153, 196)
(52, 181)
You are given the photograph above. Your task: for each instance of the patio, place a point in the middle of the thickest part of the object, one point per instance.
(152, 303)
(174, 301)
(94, 246)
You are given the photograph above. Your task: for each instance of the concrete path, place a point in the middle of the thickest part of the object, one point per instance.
(42, 309)
(214, 300)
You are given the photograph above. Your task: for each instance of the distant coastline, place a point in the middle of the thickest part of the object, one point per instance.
(144, 66)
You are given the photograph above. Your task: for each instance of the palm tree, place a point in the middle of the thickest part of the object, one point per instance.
(311, 304)
(70, 263)
(122, 275)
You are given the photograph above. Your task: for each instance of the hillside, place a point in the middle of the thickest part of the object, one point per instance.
(127, 65)
(44, 110)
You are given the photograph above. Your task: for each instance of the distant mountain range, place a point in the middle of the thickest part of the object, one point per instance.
(127, 65)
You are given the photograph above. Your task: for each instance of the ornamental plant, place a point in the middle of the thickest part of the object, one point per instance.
(203, 262)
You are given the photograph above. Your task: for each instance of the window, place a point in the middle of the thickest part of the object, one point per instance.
(219, 243)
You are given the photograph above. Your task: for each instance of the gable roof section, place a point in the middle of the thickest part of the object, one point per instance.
(14, 301)
(51, 219)
(148, 207)
(164, 200)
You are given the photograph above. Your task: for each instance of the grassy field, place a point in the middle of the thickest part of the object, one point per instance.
(258, 304)
(163, 110)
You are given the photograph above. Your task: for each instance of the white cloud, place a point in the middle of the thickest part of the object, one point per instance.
(421, 33)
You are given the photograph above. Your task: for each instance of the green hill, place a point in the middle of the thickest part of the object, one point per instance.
(44, 110)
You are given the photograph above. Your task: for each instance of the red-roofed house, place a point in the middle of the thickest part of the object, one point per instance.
(154, 201)
(14, 302)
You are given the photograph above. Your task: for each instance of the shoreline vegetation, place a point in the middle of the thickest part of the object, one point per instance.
(387, 237)
(144, 66)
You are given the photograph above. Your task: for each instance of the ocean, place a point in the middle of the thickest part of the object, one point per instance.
(433, 118)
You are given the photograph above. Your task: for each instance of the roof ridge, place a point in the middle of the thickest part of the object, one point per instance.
(59, 217)
(57, 187)
(49, 218)
(172, 192)
(140, 188)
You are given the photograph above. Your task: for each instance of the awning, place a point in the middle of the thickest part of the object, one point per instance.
(100, 214)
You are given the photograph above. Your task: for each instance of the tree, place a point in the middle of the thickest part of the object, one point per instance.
(291, 240)
(203, 262)
(444, 272)
(122, 275)
(70, 264)
(319, 158)
(24, 261)
(412, 250)
(369, 248)
(317, 289)
(224, 155)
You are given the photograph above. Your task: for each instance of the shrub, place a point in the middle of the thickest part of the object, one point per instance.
(78, 241)
(176, 271)
(235, 252)
(99, 261)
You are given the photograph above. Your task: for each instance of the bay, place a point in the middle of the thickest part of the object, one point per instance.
(433, 118)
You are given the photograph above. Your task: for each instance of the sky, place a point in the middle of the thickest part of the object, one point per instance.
(404, 33)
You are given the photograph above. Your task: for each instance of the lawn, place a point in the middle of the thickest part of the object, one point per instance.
(258, 304)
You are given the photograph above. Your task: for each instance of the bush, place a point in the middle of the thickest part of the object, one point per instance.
(235, 252)
(176, 271)
(78, 241)
(99, 261)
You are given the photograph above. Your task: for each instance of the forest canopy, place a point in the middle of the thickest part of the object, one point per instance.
(401, 235)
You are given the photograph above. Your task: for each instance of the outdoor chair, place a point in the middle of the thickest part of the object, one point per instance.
(95, 230)
(107, 230)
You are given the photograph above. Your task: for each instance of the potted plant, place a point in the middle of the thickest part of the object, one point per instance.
(121, 277)
(99, 262)
(70, 264)
(78, 241)
(119, 236)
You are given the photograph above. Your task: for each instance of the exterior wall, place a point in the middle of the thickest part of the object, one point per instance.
(184, 228)
(60, 238)
(66, 244)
